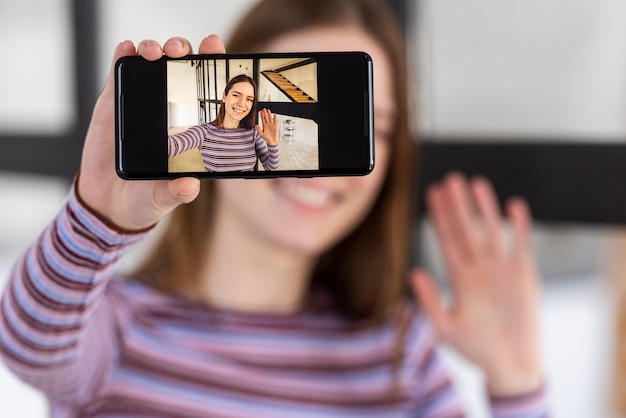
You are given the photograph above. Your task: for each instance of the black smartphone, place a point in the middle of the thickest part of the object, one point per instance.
(245, 115)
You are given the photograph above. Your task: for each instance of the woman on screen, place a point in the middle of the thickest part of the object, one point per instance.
(233, 141)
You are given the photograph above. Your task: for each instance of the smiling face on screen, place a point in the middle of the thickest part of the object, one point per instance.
(238, 101)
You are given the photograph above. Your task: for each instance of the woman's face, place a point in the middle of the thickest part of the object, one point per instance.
(237, 102)
(311, 215)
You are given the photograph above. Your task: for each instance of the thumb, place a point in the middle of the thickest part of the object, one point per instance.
(170, 194)
(429, 296)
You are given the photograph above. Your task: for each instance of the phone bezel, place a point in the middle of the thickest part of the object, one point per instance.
(332, 163)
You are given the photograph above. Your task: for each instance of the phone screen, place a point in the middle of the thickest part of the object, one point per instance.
(245, 115)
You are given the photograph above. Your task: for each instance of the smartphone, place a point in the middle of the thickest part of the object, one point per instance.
(244, 115)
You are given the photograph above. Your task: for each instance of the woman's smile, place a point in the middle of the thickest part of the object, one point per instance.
(306, 195)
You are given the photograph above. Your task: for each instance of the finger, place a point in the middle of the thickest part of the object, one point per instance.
(445, 230)
(520, 217)
(212, 44)
(177, 47)
(122, 49)
(460, 209)
(266, 116)
(169, 194)
(427, 293)
(150, 50)
(489, 210)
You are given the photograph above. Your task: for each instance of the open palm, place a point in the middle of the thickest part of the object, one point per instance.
(493, 319)
(269, 130)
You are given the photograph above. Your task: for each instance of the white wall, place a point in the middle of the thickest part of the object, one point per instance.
(162, 19)
(546, 68)
(182, 94)
(36, 83)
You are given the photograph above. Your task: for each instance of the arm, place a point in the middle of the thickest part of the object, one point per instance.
(532, 404)
(268, 155)
(52, 312)
(493, 319)
(266, 140)
(433, 394)
(55, 327)
(190, 139)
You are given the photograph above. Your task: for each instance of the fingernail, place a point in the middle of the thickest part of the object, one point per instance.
(189, 192)
(183, 194)
(176, 41)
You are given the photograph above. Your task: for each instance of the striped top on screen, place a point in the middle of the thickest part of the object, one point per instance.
(225, 149)
(101, 346)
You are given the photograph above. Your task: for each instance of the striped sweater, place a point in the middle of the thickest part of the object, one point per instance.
(99, 346)
(225, 149)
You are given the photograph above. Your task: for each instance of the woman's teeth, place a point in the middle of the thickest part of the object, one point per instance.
(309, 196)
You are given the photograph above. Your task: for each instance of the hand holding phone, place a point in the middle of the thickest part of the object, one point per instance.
(131, 205)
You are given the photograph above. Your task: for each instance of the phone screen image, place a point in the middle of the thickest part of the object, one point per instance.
(203, 94)
(245, 115)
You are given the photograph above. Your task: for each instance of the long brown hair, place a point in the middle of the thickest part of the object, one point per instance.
(249, 122)
(365, 273)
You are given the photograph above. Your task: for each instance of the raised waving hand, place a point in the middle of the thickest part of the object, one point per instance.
(269, 130)
(493, 317)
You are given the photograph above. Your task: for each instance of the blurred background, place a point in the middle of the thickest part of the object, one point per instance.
(539, 84)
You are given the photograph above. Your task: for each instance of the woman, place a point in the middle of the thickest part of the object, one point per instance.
(233, 141)
(281, 297)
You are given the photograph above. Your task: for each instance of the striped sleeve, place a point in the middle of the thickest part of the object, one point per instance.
(55, 329)
(530, 405)
(190, 139)
(433, 393)
(268, 155)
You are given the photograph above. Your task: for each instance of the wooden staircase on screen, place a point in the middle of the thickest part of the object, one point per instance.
(295, 93)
